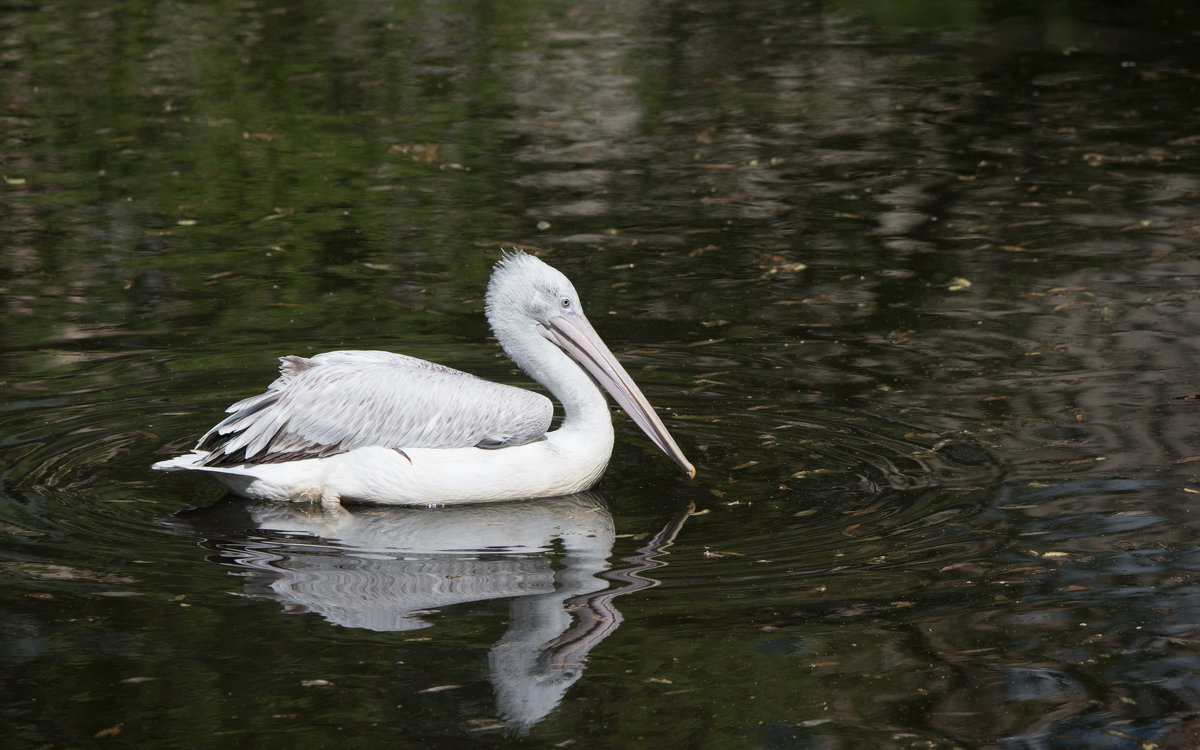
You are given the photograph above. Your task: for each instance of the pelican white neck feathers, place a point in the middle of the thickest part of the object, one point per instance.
(385, 428)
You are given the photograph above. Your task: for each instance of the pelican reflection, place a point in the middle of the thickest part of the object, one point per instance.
(392, 568)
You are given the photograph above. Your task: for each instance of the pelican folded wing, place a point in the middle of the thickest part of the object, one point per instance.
(339, 401)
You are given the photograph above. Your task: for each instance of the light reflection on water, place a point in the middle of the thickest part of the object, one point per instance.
(929, 512)
(892, 559)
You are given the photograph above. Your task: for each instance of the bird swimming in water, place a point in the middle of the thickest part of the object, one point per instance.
(378, 427)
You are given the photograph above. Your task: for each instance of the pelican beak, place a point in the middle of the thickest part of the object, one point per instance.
(576, 337)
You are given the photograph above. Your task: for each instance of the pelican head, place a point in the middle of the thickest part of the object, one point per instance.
(530, 304)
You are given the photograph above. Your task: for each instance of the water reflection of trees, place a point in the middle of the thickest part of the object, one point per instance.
(204, 186)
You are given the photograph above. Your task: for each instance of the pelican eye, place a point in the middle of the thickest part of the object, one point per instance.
(564, 303)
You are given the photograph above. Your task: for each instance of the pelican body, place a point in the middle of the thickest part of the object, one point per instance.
(378, 427)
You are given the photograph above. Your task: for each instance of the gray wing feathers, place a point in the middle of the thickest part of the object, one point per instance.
(338, 401)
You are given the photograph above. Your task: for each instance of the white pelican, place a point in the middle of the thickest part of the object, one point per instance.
(385, 428)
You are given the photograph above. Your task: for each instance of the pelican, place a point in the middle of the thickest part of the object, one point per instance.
(378, 427)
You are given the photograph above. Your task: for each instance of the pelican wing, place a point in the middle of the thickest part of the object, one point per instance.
(338, 401)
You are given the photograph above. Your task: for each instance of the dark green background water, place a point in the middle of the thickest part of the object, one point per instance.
(915, 284)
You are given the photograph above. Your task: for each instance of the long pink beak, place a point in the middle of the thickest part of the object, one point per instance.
(576, 337)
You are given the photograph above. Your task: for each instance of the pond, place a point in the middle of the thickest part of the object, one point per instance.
(915, 285)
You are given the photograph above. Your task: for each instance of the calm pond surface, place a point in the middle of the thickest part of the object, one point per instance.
(916, 285)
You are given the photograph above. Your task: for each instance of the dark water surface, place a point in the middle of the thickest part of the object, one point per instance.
(916, 285)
